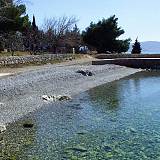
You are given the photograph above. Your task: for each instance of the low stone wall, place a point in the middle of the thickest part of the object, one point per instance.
(113, 56)
(150, 63)
(33, 59)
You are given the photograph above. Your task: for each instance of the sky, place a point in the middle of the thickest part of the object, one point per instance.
(139, 18)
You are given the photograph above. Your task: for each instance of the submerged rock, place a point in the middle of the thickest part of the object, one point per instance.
(107, 148)
(28, 125)
(132, 130)
(76, 107)
(83, 132)
(2, 128)
(78, 149)
(56, 97)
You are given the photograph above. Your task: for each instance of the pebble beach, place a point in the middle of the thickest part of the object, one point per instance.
(21, 92)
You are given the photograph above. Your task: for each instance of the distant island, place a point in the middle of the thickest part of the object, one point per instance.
(149, 47)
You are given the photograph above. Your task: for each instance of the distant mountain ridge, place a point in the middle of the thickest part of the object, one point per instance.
(149, 47)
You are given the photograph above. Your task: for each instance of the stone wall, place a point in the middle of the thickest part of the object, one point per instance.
(33, 59)
(113, 56)
(150, 63)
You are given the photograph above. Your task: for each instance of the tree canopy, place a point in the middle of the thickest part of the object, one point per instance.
(62, 32)
(13, 17)
(104, 36)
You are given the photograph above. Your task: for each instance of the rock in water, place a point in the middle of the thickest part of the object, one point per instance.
(78, 149)
(83, 132)
(107, 148)
(28, 125)
(132, 130)
(2, 128)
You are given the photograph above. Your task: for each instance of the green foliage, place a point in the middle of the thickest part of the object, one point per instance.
(103, 36)
(136, 47)
(13, 18)
(3, 3)
(14, 23)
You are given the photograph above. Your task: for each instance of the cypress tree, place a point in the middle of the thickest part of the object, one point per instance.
(136, 47)
(34, 26)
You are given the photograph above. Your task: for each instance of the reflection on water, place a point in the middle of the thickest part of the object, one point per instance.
(120, 120)
(108, 96)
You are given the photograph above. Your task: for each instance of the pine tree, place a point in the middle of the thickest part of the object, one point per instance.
(13, 18)
(104, 36)
(136, 47)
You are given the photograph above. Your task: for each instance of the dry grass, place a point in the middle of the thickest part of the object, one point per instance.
(25, 53)
(17, 53)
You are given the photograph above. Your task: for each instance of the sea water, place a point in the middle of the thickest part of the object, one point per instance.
(119, 120)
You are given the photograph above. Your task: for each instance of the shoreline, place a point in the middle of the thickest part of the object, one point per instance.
(22, 92)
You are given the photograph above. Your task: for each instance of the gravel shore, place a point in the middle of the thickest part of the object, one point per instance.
(22, 92)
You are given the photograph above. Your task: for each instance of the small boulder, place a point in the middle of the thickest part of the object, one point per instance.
(85, 73)
(2, 128)
(45, 97)
(55, 98)
(89, 73)
(1, 104)
(63, 98)
(49, 98)
(82, 72)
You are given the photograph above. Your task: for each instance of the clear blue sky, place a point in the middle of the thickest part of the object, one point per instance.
(137, 17)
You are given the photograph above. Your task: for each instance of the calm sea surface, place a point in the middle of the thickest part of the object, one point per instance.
(119, 120)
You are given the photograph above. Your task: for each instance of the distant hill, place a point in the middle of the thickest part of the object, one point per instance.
(149, 47)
